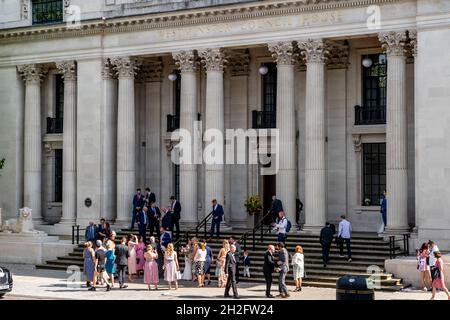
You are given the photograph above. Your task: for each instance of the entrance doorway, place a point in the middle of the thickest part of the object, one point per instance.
(269, 189)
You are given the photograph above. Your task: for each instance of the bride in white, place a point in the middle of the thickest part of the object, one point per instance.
(187, 251)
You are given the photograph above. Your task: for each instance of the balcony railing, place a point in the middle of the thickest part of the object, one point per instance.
(370, 115)
(47, 11)
(54, 125)
(264, 119)
(173, 121)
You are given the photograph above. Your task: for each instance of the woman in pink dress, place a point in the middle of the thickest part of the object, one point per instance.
(171, 266)
(151, 273)
(438, 276)
(422, 265)
(140, 248)
(132, 244)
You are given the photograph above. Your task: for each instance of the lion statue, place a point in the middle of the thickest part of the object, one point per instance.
(23, 224)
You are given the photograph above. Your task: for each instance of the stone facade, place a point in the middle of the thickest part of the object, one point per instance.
(118, 94)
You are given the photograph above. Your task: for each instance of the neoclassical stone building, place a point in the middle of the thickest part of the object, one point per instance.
(358, 89)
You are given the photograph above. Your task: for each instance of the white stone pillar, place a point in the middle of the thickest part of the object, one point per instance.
(314, 52)
(126, 136)
(214, 172)
(108, 142)
(69, 72)
(396, 133)
(187, 61)
(33, 75)
(286, 182)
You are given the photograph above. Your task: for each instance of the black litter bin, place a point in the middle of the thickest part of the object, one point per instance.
(351, 287)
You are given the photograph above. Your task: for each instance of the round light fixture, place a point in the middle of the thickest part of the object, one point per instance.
(263, 70)
(367, 62)
(172, 76)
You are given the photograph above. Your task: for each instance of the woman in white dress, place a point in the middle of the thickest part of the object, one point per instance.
(298, 267)
(187, 272)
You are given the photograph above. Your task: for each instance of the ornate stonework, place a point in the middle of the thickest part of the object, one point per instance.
(283, 52)
(108, 71)
(32, 73)
(357, 142)
(338, 56)
(24, 9)
(187, 61)
(214, 59)
(314, 50)
(394, 43)
(152, 71)
(68, 69)
(411, 47)
(239, 62)
(126, 67)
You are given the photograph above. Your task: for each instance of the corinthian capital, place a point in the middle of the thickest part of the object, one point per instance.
(108, 71)
(152, 71)
(239, 62)
(393, 42)
(413, 42)
(314, 50)
(125, 67)
(32, 73)
(68, 69)
(283, 52)
(213, 59)
(338, 56)
(186, 60)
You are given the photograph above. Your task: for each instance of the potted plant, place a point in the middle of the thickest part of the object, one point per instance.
(253, 207)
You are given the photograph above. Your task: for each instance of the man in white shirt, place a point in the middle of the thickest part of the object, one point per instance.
(433, 248)
(344, 235)
(281, 226)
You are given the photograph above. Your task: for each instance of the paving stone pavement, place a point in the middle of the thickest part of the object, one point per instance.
(30, 283)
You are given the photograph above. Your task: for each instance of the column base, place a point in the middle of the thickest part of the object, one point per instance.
(396, 231)
(310, 230)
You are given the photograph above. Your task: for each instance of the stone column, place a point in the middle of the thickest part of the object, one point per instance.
(396, 132)
(108, 142)
(413, 49)
(187, 62)
(69, 72)
(214, 171)
(286, 185)
(315, 52)
(126, 136)
(153, 79)
(33, 75)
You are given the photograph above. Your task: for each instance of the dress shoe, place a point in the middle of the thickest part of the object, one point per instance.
(350, 260)
(108, 287)
(269, 296)
(236, 297)
(123, 286)
(92, 289)
(227, 296)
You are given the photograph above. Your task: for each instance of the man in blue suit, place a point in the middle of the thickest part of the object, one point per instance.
(138, 204)
(142, 221)
(383, 208)
(217, 217)
(165, 239)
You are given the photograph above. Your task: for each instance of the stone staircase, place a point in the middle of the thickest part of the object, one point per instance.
(368, 254)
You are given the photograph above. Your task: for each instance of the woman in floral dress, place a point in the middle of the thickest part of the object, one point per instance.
(220, 263)
(132, 266)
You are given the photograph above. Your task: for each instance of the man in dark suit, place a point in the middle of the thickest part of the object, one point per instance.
(166, 221)
(276, 207)
(122, 261)
(91, 232)
(149, 197)
(142, 221)
(326, 238)
(101, 230)
(138, 204)
(175, 208)
(268, 269)
(165, 239)
(230, 269)
(283, 269)
(154, 215)
(383, 209)
(217, 217)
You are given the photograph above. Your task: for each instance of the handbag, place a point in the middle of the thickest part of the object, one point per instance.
(178, 275)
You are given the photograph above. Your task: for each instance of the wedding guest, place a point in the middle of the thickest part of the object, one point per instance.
(111, 242)
(208, 263)
(283, 269)
(101, 227)
(187, 252)
(422, 265)
(165, 239)
(194, 248)
(108, 231)
(175, 209)
(220, 264)
(91, 232)
(298, 267)
(247, 263)
(138, 204)
(132, 268)
(268, 269)
(149, 197)
(110, 263)
(140, 261)
(122, 261)
(199, 261)
(154, 216)
(438, 276)
(100, 261)
(231, 269)
(151, 274)
(89, 263)
(142, 221)
(171, 266)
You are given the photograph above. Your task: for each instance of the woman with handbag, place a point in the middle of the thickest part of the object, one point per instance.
(438, 276)
(171, 266)
(199, 261)
(422, 265)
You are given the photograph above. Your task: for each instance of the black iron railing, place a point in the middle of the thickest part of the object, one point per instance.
(54, 125)
(76, 234)
(370, 115)
(173, 121)
(47, 11)
(257, 233)
(393, 240)
(264, 119)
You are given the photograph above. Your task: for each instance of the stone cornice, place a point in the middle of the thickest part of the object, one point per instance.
(199, 16)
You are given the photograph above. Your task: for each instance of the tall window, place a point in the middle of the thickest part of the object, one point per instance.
(269, 98)
(58, 175)
(374, 172)
(177, 100)
(59, 97)
(47, 11)
(375, 82)
(176, 178)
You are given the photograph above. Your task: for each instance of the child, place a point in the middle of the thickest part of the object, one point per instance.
(246, 264)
